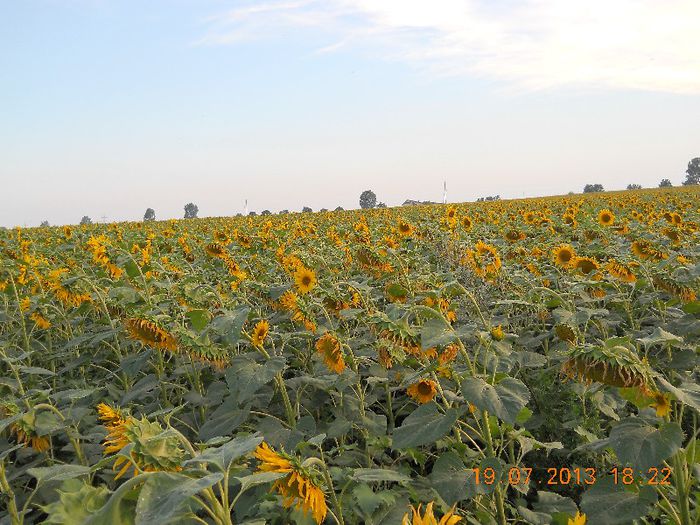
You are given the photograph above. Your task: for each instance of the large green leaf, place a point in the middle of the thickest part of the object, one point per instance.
(687, 393)
(505, 400)
(608, 503)
(436, 332)
(222, 457)
(58, 472)
(224, 420)
(165, 497)
(245, 376)
(424, 426)
(450, 478)
(641, 445)
(229, 325)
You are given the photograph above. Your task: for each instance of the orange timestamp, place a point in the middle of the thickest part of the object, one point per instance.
(572, 476)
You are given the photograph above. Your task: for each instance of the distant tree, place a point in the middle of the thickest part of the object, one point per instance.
(490, 198)
(284, 212)
(252, 214)
(191, 211)
(306, 209)
(150, 215)
(593, 188)
(692, 173)
(634, 186)
(266, 212)
(44, 224)
(339, 208)
(368, 199)
(85, 220)
(323, 209)
(665, 183)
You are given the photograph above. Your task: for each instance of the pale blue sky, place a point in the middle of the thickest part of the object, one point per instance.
(109, 107)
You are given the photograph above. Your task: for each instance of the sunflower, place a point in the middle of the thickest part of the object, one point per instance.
(429, 517)
(298, 487)
(579, 519)
(215, 249)
(484, 260)
(563, 255)
(606, 218)
(329, 347)
(423, 391)
(150, 334)
(305, 279)
(151, 448)
(405, 229)
(662, 404)
(614, 366)
(620, 271)
(288, 301)
(260, 332)
(467, 222)
(24, 428)
(497, 333)
(585, 265)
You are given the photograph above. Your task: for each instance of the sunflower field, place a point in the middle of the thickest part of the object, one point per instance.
(527, 361)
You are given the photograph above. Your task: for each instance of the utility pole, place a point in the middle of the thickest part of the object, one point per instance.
(245, 212)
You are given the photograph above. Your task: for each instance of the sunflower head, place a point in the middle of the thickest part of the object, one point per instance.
(305, 279)
(612, 365)
(413, 517)
(150, 334)
(564, 255)
(262, 328)
(423, 391)
(329, 348)
(585, 265)
(606, 218)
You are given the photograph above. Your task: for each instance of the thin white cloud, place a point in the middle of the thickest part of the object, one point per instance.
(534, 44)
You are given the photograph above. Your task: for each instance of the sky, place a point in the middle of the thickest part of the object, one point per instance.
(108, 107)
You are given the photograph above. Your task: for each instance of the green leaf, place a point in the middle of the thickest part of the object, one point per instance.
(165, 497)
(76, 502)
(505, 400)
(245, 377)
(259, 478)
(199, 319)
(379, 474)
(436, 332)
(643, 446)
(658, 336)
(424, 426)
(688, 393)
(224, 420)
(58, 472)
(608, 503)
(369, 501)
(229, 325)
(450, 478)
(222, 457)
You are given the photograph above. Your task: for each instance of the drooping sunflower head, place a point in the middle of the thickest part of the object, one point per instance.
(606, 218)
(305, 279)
(563, 255)
(24, 428)
(150, 334)
(614, 365)
(215, 249)
(620, 271)
(423, 391)
(152, 448)
(329, 348)
(262, 328)
(299, 487)
(585, 265)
